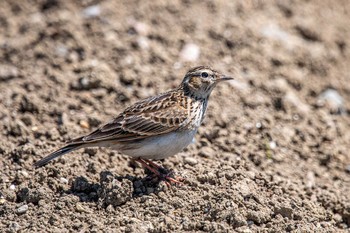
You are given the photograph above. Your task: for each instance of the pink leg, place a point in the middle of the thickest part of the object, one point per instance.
(153, 164)
(155, 168)
(146, 165)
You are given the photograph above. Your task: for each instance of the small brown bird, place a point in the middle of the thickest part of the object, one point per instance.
(157, 127)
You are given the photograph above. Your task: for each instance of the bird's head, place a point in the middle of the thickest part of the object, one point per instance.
(200, 81)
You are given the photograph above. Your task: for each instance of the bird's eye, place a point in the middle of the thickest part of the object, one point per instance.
(204, 75)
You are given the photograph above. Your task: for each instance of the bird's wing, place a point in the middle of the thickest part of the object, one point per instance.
(153, 116)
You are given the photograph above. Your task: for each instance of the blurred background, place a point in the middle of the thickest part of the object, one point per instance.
(273, 153)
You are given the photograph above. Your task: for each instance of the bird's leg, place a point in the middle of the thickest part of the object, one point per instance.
(146, 165)
(159, 171)
(166, 174)
(158, 167)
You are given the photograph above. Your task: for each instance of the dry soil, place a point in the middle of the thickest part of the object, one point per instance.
(271, 156)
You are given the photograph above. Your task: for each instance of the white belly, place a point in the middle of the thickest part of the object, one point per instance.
(159, 147)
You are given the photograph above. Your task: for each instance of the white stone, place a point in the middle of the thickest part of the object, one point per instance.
(273, 145)
(63, 180)
(190, 160)
(92, 11)
(190, 52)
(333, 99)
(22, 209)
(141, 28)
(143, 42)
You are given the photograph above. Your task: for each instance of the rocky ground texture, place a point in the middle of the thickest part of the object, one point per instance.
(271, 156)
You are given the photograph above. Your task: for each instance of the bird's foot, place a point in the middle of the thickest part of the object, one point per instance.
(161, 173)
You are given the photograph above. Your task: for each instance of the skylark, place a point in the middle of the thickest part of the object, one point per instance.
(157, 127)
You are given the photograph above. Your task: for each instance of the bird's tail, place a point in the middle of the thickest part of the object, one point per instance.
(57, 153)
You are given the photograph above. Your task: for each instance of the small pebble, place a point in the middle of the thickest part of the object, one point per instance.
(211, 176)
(81, 209)
(273, 145)
(63, 180)
(143, 42)
(22, 209)
(84, 82)
(258, 125)
(331, 99)
(190, 52)
(141, 28)
(190, 160)
(207, 152)
(84, 124)
(12, 187)
(110, 209)
(24, 173)
(92, 11)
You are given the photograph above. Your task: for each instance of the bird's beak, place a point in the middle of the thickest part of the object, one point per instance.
(223, 78)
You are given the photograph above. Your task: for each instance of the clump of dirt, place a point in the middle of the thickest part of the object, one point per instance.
(114, 192)
(272, 154)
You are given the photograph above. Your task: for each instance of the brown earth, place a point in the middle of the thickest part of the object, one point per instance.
(272, 155)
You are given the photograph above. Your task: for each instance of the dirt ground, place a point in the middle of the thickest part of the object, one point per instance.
(271, 156)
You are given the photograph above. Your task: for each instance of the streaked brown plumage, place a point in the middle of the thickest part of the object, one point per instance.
(156, 127)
